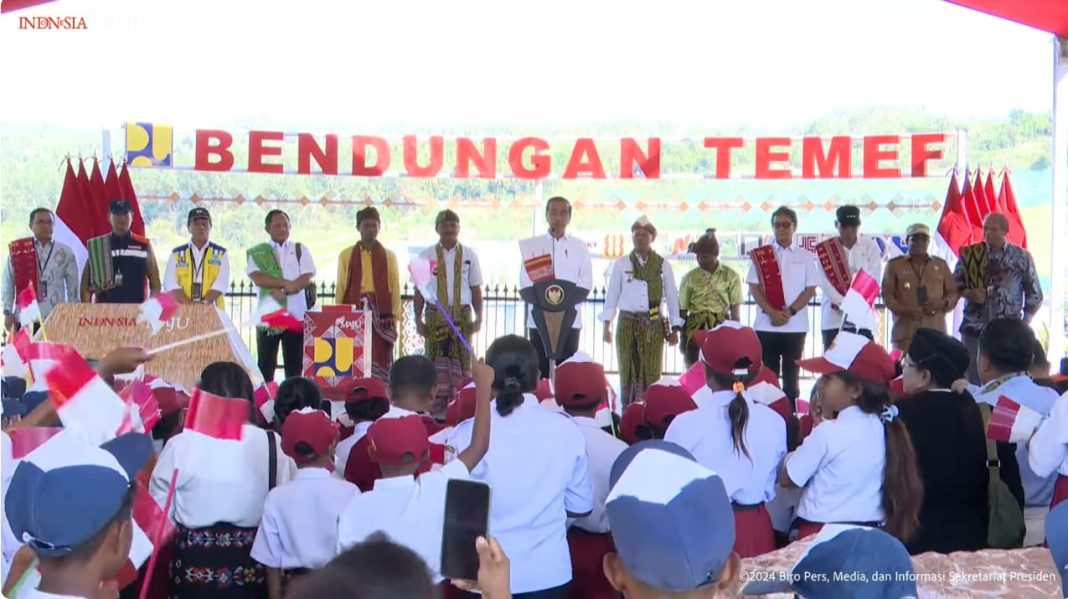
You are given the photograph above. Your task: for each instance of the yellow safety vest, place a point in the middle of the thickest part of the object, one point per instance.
(183, 268)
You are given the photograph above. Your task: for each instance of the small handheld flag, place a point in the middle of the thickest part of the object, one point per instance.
(29, 309)
(860, 299)
(214, 416)
(1011, 422)
(156, 311)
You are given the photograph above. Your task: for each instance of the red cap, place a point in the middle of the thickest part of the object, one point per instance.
(897, 388)
(580, 383)
(727, 344)
(364, 389)
(544, 390)
(857, 354)
(766, 376)
(633, 417)
(313, 427)
(461, 408)
(169, 400)
(664, 401)
(398, 441)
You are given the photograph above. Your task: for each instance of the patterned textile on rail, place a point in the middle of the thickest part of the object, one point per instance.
(215, 562)
(382, 340)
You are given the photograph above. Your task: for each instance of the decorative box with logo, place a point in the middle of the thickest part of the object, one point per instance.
(337, 348)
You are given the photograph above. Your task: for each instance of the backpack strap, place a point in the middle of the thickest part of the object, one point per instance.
(272, 461)
(993, 464)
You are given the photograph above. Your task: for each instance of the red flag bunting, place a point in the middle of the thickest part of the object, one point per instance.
(971, 209)
(138, 223)
(953, 225)
(1007, 206)
(988, 191)
(100, 199)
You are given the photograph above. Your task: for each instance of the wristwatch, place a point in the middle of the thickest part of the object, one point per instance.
(792, 311)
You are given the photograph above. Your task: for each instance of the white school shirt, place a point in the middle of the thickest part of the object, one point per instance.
(411, 511)
(865, 254)
(35, 594)
(293, 536)
(1048, 448)
(797, 267)
(218, 480)
(602, 450)
(1021, 388)
(571, 262)
(840, 465)
(706, 433)
(631, 295)
(470, 275)
(538, 470)
(344, 448)
(9, 545)
(286, 254)
(222, 281)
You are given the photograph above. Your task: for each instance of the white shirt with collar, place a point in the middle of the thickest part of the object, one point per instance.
(293, 536)
(632, 295)
(344, 448)
(865, 254)
(221, 283)
(36, 594)
(286, 254)
(797, 267)
(411, 511)
(840, 465)
(571, 262)
(602, 449)
(470, 275)
(538, 470)
(1048, 448)
(218, 480)
(706, 433)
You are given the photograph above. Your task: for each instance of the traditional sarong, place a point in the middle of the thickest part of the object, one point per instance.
(835, 264)
(24, 263)
(382, 340)
(640, 349)
(767, 268)
(215, 562)
(449, 356)
(698, 321)
(101, 270)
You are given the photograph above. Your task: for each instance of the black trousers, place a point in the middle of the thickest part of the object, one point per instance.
(830, 334)
(570, 347)
(781, 353)
(292, 353)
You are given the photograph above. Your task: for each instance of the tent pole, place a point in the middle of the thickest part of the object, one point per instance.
(1059, 246)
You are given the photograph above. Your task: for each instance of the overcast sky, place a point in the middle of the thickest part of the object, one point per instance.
(447, 66)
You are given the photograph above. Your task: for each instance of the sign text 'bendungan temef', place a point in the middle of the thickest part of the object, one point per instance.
(531, 157)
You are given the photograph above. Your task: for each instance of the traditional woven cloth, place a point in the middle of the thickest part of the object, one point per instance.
(215, 562)
(640, 349)
(382, 340)
(267, 262)
(101, 272)
(24, 263)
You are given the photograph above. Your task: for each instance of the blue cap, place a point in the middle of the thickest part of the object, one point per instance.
(66, 491)
(13, 407)
(13, 387)
(848, 562)
(1057, 539)
(32, 399)
(671, 519)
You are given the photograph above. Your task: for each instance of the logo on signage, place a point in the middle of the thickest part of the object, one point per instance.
(38, 23)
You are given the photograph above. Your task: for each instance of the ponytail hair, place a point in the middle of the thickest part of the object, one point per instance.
(515, 371)
(902, 493)
(738, 409)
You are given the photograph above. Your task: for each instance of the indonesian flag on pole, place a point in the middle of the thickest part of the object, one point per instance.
(953, 226)
(73, 226)
(985, 206)
(29, 309)
(1006, 203)
(971, 209)
(273, 316)
(156, 311)
(214, 416)
(1011, 422)
(859, 301)
(84, 402)
(137, 225)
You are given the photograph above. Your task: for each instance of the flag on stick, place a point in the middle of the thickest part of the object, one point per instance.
(859, 301)
(214, 416)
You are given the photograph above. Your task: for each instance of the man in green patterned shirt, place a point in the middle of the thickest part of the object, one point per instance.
(709, 294)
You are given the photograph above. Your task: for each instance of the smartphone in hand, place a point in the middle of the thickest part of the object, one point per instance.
(921, 295)
(467, 505)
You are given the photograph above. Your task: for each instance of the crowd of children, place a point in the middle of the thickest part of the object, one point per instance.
(663, 501)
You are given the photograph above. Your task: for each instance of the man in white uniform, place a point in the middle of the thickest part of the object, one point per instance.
(840, 258)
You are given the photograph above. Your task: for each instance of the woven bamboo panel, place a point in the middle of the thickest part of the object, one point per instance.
(96, 329)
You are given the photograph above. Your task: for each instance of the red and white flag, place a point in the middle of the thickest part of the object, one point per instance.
(272, 315)
(693, 379)
(767, 394)
(264, 397)
(156, 311)
(84, 402)
(142, 409)
(14, 362)
(25, 440)
(148, 517)
(859, 301)
(214, 416)
(29, 309)
(1011, 422)
(1006, 204)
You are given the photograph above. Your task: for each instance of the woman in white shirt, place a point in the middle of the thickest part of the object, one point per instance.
(537, 469)
(221, 488)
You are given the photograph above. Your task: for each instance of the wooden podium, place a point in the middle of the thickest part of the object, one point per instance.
(96, 329)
